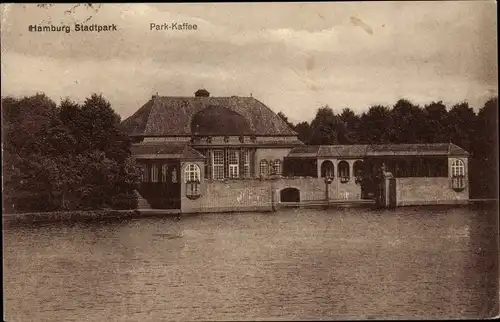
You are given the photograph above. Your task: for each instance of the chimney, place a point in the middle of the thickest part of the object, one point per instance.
(154, 95)
(202, 93)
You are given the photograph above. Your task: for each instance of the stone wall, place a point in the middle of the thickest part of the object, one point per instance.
(230, 195)
(345, 191)
(427, 191)
(260, 195)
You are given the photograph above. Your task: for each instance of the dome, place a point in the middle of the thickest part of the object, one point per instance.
(215, 120)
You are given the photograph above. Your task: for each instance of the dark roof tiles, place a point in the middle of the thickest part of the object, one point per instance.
(164, 116)
(353, 151)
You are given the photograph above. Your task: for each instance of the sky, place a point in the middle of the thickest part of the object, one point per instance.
(294, 57)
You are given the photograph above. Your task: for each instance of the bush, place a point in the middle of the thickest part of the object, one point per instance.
(124, 202)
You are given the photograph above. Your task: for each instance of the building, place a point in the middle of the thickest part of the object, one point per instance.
(210, 154)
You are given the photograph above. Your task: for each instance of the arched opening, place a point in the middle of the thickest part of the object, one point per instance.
(358, 171)
(327, 169)
(344, 171)
(290, 195)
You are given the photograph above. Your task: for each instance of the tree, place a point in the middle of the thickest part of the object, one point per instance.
(435, 126)
(349, 127)
(484, 161)
(324, 127)
(33, 136)
(407, 121)
(303, 130)
(376, 125)
(461, 125)
(104, 152)
(285, 119)
(65, 158)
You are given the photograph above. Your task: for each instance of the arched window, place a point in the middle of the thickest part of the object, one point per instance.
(358, 171)
(458, 175)
(154, 173)
(192, 179)
(264, 168)
(277, 167)
(327, 169)
(192, 173)
(164, 173)
(343, 171)
(457, 168)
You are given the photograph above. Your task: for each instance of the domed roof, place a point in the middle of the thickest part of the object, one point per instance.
(216, 120)
(170, 115)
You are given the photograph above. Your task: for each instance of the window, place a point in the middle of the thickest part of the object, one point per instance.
(154, 173)
(327, 169)
(233, 161)
(164, 173)
(192, 179)
(218, 164)
(192, 173)
(277, 167)
(457, 168)
(145, 173)
(174, 175)
(458, 175)
(246, 163)
(208, 164)
(264, 168)
(343, 171)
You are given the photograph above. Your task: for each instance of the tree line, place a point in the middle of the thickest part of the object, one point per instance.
(75, 156)
(66, 156)
(406, 122)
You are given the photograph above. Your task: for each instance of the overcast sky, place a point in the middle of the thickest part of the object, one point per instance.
(293, 57)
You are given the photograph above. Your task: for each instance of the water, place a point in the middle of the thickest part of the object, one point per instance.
(290, 265)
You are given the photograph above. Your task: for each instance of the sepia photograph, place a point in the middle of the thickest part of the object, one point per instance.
(250, 161)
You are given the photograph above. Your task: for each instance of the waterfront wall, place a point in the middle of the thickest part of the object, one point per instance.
(428, 191)
(262, 195)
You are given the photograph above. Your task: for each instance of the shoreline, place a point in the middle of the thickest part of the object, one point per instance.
(9, 220)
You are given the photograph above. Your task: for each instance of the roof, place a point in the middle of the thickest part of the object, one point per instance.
(167, 115)
(305, 152)
(169, 151)
(343, 150)
(359, 151)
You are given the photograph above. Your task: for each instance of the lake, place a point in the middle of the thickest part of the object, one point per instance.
(295, 264)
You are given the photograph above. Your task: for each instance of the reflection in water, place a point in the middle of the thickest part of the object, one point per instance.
(295, 264)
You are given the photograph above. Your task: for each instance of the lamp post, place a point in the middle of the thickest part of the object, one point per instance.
(328, 181)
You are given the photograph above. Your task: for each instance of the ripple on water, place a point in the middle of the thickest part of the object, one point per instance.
(307, 264)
